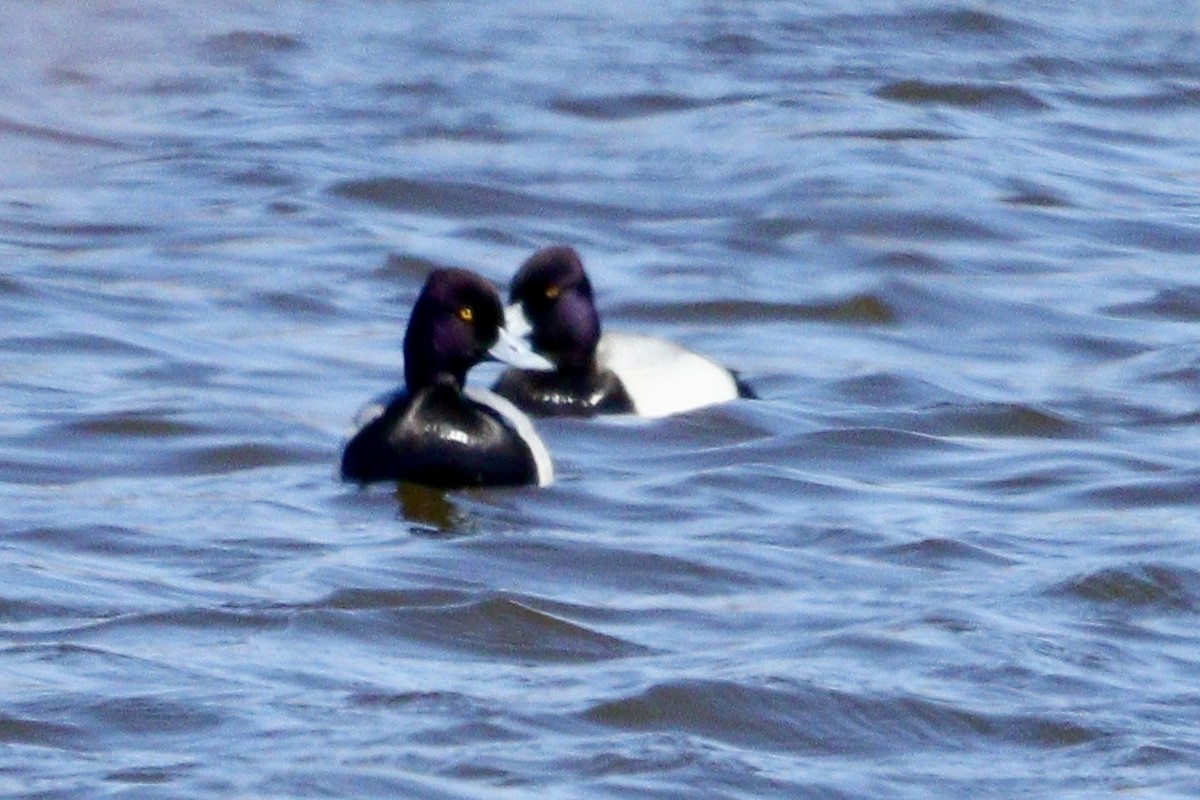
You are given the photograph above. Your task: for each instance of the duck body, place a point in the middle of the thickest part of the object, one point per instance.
(435, 432)
(632, 374)
(442, 437)
(551, 300)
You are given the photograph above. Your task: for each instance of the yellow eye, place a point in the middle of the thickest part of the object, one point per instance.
(552, 292)
(466, 313)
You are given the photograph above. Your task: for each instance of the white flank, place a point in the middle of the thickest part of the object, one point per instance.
(662, 378)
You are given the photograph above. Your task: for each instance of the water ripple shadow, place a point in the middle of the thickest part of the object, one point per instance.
(142, 442)
(250, 49)
(464, 200)
(1137, 587)
(20, 730)
(969, 27)
(151, 715)
(812, 720)
(627, 570)
(856, 309)
(58, 135)
(1179, 304)
(982, 96)
(885, 134)
(874, 221)
(492, 626)
(219, 622)
(461, 719)
(621, 107)
(1171, 489)
(1003, 420)
(942, 554)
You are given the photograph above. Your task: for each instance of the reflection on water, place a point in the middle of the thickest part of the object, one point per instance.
(952, 550)
(432, 511)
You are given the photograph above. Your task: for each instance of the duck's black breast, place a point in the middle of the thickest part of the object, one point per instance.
(438, 437)
(563, 393)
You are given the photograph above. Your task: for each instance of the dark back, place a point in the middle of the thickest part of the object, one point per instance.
(438, 437)
(564, 393)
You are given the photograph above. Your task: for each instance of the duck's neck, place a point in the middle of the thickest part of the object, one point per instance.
(425, 368)
(574, 342)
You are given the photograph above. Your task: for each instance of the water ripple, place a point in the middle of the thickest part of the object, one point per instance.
(1180, 304)
(56, 135)
(154, 716)
(15, 730)
(989, 97)
(859, 309)
(1137, 587)
(1003, 419)
(444, 198)
(249, 47)
(809, 720)
(952, 245)
(634, 106)
(488, 627)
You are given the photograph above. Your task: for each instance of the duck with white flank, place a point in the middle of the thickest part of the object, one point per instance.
(612, 373)
(435, 432)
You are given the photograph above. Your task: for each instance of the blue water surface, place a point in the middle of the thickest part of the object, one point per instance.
(952, 551)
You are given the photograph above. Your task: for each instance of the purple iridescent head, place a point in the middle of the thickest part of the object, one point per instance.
(555, 296)
(457, 322)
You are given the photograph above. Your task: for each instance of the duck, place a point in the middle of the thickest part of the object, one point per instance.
(434, 430)
(597, 372)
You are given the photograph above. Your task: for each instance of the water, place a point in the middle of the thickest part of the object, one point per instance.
(952, 552)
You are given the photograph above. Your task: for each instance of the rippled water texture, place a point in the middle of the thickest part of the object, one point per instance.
(952, 552)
